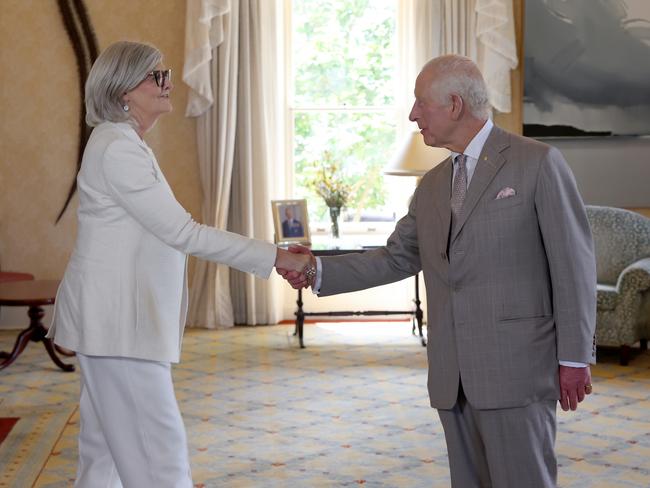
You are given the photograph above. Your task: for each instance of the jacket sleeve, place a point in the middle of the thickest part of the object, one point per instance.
(570, 252)
(133, 182)
(395, 261)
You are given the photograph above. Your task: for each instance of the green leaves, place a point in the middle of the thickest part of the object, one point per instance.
(359, 143)
(344, 52)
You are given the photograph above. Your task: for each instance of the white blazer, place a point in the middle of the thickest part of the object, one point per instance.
(124, 291)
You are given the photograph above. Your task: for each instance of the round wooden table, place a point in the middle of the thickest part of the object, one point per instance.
(32, 294)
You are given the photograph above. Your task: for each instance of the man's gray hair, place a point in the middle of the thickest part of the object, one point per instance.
(458, 75)
(118, 69)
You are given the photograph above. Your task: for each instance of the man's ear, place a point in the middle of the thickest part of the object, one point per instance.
(457, 106)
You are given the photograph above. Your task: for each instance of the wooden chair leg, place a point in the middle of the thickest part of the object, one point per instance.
(624, 357)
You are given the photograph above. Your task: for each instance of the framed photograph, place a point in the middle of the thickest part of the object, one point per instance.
(290, 221)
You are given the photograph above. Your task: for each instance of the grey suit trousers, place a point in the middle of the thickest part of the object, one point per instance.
(501, 448)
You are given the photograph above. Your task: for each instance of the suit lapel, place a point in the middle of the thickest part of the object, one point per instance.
(441, 194)
(435, 193)
(488, 165)
(441, 191)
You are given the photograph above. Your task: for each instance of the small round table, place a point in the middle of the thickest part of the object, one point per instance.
(32, 294)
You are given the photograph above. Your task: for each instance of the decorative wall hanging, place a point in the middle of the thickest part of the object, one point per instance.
(84, 42)
(586, 68)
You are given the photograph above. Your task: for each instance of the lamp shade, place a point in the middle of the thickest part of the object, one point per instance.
(415, 158)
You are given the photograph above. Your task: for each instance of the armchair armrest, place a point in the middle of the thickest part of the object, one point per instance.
(635, 278)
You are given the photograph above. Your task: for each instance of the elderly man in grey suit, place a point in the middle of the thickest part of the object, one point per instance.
(500, 232)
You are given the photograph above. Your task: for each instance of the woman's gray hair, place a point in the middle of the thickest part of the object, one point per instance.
(118, 69)
(458, 75)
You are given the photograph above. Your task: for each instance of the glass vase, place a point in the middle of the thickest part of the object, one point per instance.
(335, 212)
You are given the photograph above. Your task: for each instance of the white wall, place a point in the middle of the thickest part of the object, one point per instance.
(610, 171)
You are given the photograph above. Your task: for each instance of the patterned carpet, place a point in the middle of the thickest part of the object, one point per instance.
(350, 409)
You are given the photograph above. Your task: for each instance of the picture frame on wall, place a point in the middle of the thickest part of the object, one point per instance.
(291, 221)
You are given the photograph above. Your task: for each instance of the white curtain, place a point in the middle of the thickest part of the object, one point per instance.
(497, 49)
(254, 301)
(222, 68)
(419, 30)
(482, 30)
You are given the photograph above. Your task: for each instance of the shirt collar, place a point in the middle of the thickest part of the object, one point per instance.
(130, 132)
(475, 146)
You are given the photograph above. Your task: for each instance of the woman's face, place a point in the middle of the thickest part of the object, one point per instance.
(148, 101)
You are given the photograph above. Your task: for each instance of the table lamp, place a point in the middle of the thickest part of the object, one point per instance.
(415, 158)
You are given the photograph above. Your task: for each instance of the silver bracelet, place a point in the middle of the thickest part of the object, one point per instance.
(310, 273)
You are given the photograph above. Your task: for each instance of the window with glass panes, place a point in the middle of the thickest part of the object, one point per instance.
(342, 57)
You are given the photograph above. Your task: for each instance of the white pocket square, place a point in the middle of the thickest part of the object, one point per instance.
(505, 193)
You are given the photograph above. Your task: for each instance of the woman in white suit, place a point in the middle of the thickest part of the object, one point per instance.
(123, 299)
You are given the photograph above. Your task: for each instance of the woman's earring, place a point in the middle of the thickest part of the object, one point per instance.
(125, 107)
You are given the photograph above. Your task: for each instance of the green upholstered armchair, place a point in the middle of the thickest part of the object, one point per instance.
(622, 241)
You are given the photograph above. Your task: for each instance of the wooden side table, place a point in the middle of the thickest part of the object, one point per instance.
(416, 313)
(14, 276)
(32, 294)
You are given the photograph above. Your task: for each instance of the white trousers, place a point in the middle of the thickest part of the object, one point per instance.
(131, 433)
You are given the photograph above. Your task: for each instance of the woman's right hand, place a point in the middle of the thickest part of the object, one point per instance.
(289, 261)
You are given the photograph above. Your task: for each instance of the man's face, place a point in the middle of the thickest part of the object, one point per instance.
(288, 213)
(433, 119)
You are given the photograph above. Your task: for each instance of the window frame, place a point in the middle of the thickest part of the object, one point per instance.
(359, 229)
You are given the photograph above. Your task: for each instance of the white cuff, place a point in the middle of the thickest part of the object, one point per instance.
(572, 364)
(315, 288)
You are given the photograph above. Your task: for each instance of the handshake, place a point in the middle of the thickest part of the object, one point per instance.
(297, 265)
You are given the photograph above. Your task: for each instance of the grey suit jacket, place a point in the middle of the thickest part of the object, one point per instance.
(511, 288)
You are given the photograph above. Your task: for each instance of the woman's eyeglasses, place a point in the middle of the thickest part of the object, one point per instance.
(161, 76)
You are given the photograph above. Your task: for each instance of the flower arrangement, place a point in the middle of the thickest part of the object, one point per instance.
(329, 183)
